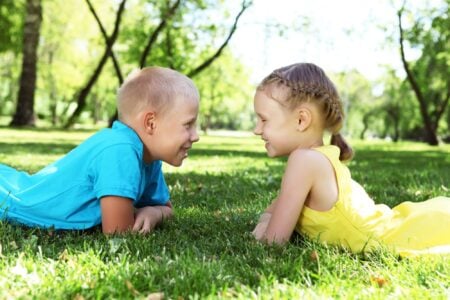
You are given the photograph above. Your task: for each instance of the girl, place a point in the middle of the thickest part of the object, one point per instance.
(295, 105)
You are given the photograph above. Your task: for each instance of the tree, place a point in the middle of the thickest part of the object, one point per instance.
(429, 75)
(84, 92)
(359, 103)
(398, 107)
(168, 11)
(225, 95)
(24, 115)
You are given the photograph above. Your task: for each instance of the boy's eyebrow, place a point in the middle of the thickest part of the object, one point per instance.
(190, 120)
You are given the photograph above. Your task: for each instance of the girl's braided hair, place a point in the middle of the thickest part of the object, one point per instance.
(306, 82)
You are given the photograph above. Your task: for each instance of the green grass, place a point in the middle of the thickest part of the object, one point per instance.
(207, 250)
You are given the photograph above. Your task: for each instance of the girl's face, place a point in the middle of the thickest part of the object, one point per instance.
(276, 124)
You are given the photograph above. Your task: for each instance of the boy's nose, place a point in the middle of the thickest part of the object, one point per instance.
(194, 136)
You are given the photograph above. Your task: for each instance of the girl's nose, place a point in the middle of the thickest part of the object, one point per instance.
(257, 130)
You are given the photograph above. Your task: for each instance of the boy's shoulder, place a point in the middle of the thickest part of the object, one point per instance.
(109, 138)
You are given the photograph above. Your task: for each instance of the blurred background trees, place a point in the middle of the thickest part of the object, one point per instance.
(86, 48)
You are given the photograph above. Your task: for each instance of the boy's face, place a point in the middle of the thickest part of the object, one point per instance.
(276, 125)
(175, 132)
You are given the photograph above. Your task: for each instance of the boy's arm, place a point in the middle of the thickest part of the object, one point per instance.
(148, 217)
(117, 214)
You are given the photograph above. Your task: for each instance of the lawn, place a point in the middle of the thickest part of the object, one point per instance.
(207, 250)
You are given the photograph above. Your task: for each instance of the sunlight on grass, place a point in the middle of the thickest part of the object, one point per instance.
(207, 250)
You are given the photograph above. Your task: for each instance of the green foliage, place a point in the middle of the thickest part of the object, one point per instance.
(207, 251)
(11, 22)
(360, 105)
(398, 110)
(71, 45)
(227, 96)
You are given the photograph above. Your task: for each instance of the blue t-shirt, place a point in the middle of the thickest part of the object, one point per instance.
(66, 194)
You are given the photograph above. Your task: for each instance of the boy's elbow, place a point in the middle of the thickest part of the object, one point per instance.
(116, 230)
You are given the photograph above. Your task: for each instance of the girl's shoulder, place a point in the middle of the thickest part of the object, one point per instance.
(320, 154)
(309, 160)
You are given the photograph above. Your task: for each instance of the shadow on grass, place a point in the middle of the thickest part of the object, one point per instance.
(50, 129)
(37, 148)
(226, 153)
(388, 158)
(64, 147)
(209, 242)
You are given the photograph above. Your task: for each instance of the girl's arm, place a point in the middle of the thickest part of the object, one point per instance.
(271, 207)
(297, 183)
(117, 214)
(263, 221)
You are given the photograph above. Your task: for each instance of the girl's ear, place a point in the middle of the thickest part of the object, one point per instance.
(149, 122)
(304, 118)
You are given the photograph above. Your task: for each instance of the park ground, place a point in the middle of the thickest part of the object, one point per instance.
(207, 250)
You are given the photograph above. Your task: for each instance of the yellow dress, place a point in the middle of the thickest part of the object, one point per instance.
(357, 223)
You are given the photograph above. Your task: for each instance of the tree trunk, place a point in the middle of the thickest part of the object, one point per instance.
(24, 115)
(430, 130)
(365, 121)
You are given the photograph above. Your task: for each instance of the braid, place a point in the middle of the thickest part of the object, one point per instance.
(305, 82)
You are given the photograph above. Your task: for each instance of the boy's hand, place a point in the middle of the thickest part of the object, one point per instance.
(146, 218)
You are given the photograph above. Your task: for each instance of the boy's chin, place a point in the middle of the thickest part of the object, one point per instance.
(176, 163)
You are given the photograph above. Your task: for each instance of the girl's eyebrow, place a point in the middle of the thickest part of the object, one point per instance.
(260, 115)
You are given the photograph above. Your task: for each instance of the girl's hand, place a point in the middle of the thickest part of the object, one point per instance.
(146, 218)
(261, 227)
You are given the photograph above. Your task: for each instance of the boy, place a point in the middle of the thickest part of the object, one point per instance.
(116, 170)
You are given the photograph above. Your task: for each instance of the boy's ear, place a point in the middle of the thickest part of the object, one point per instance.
(149, 122)
(304, 118)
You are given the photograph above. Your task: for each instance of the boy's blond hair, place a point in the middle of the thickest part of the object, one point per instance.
(153, 87)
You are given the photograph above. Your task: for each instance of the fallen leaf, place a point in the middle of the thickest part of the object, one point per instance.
(131, 288)
(379, 280)
(156, 296)
(314, 256)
